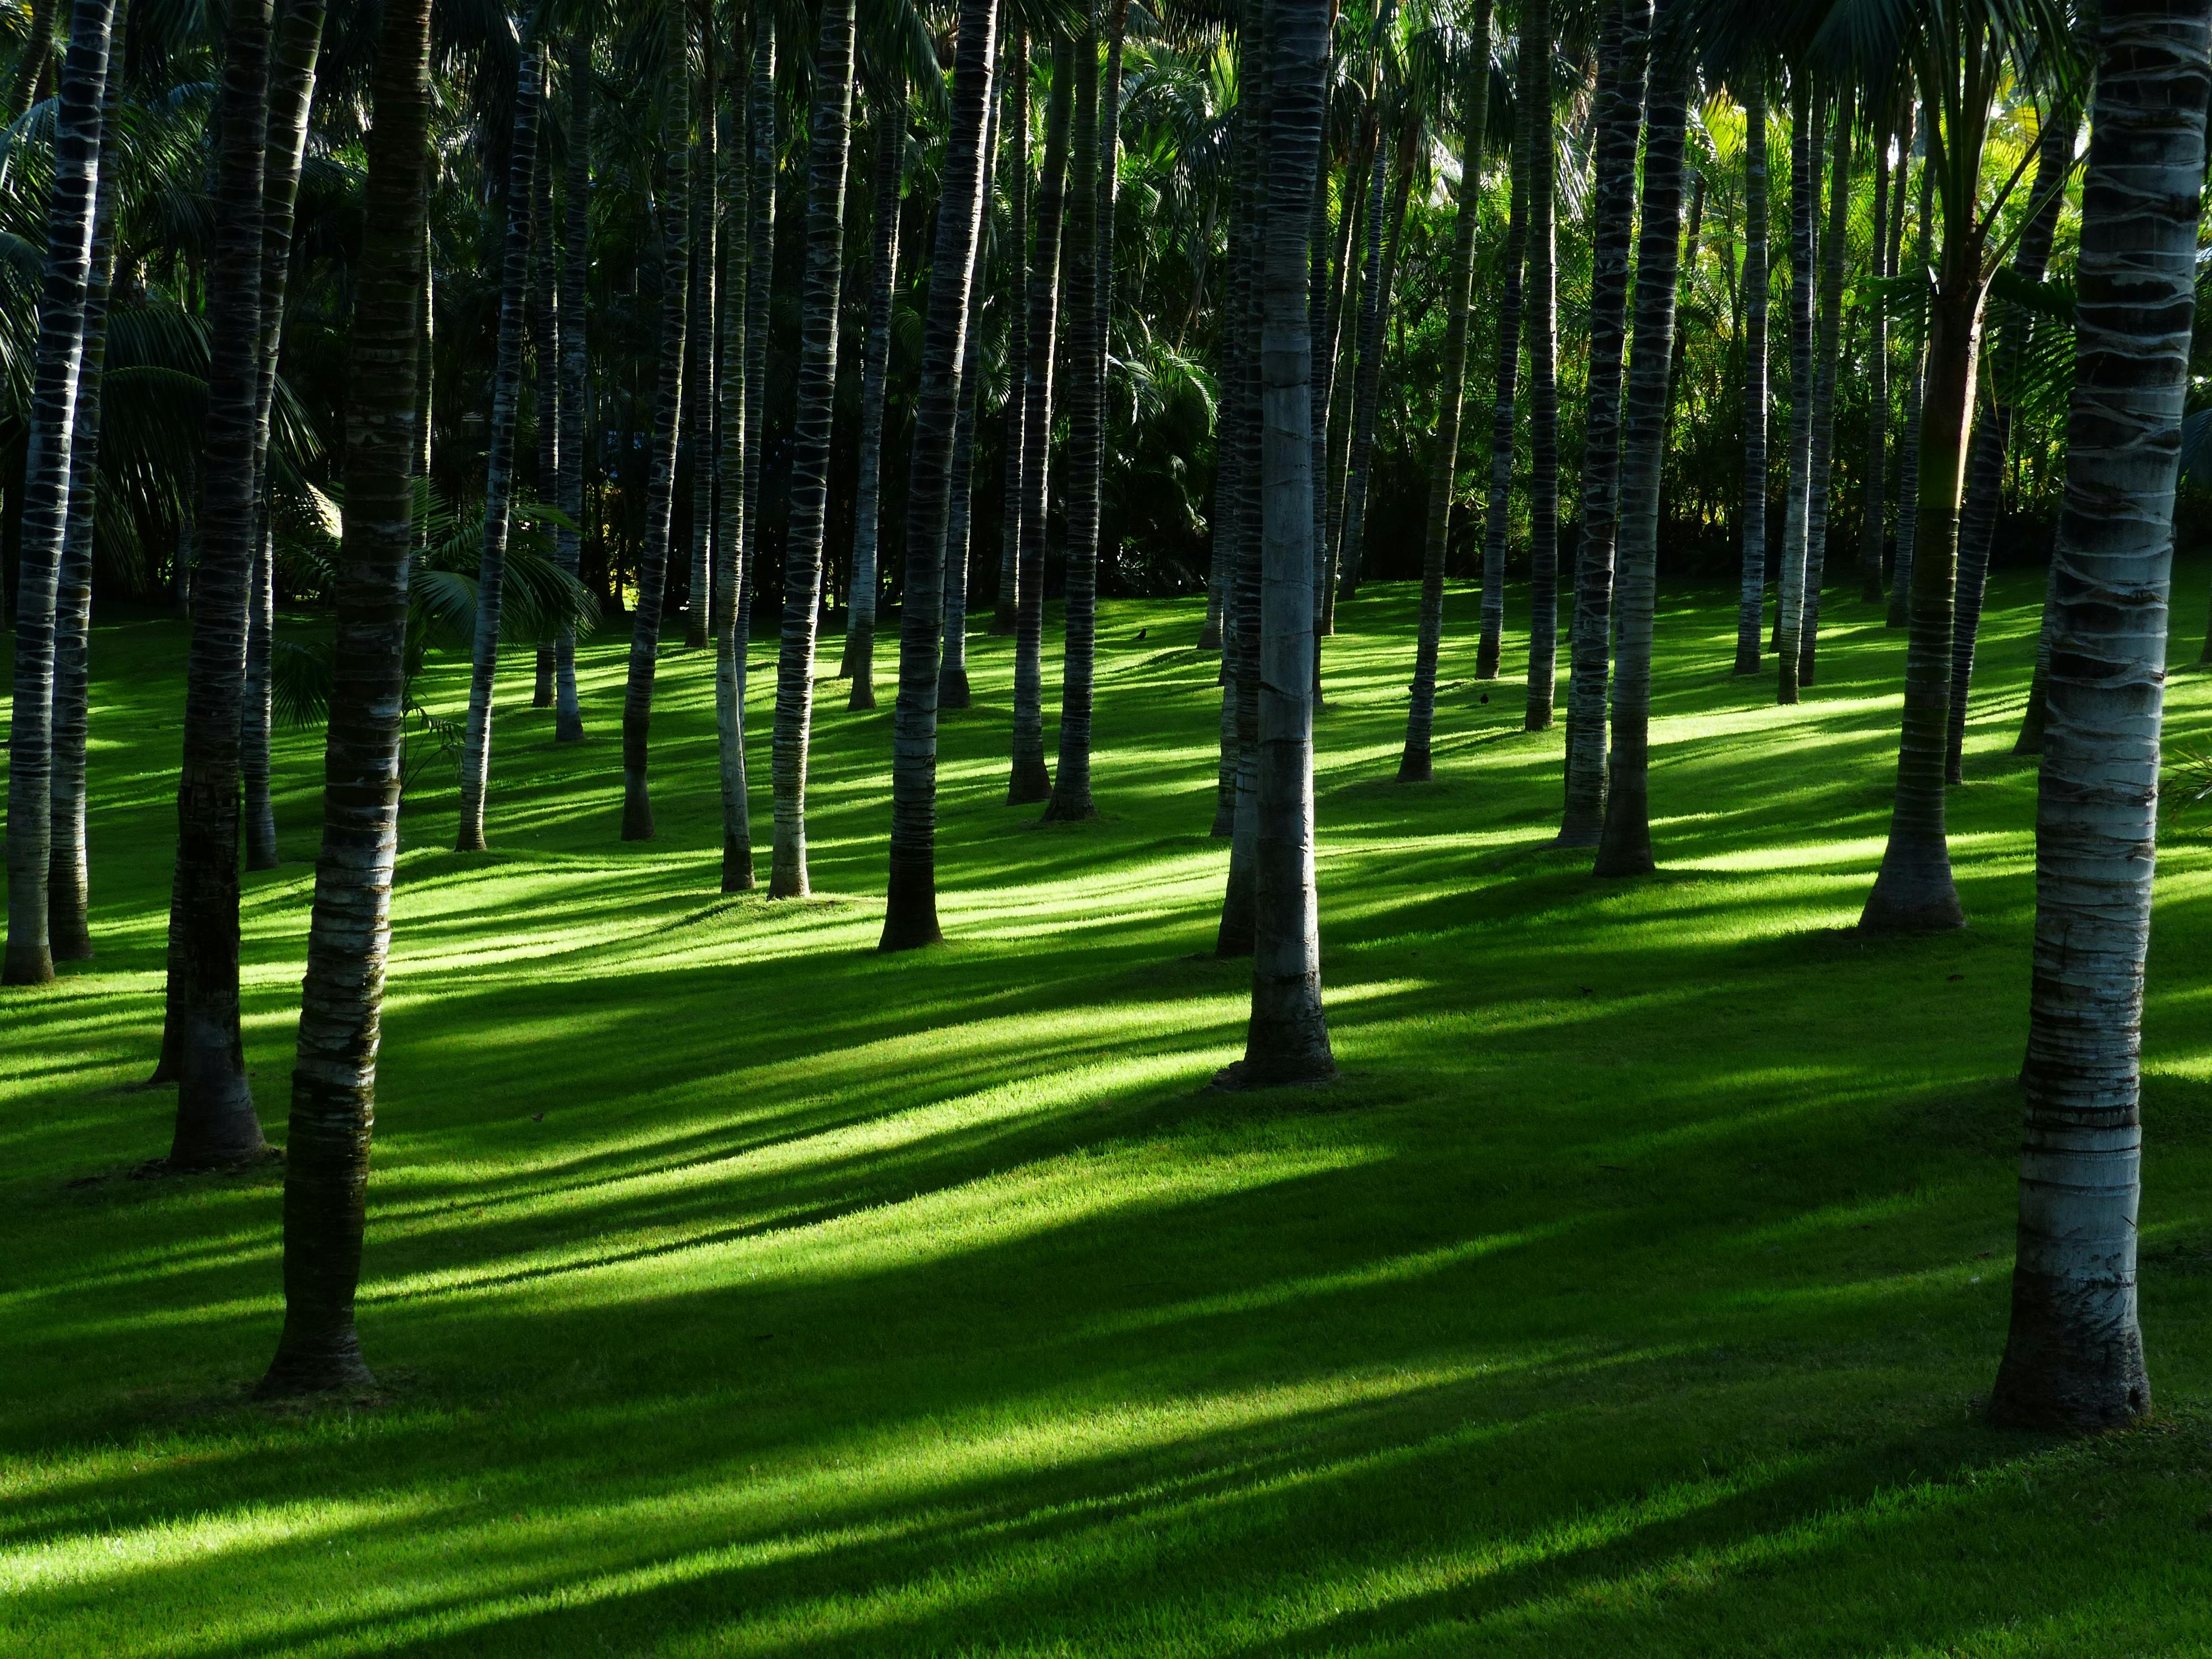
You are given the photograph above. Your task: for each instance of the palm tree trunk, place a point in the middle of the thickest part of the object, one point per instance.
(426, 319)
(1071, 792)
(215, 1121)
(499, 463)
(1908, 438)
(71, 216)
(1414, 765)
(334, 1080)
(1013, 447)
(291, 94)
(1626, 846)
(860, 627)
(38, 46)
(1287, 1038)
(910, 914)
(1338, 360)
(1385, 232)
(1757, 281)
(1030, 781)
(1870, 493)
(545, 363)
(699, 336)
(953, 666)
(2073, 1356)
(1977, 514)
(1824, 388)
(575, 365)
(735, 396)
(1491, 646)
(760, 282)
(1540, 301)
(1319, 286)
(1790, 610)
(1624, 50)
(828, 144)
(70, 866)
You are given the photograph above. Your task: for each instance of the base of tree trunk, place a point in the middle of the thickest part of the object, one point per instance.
(637, 808)
(261, 858)
(910, 914)
(326, 1364)
(1913, 893)
(786, 873)
(695, 636)
(218, 1130)
(1224, 820)
(1623, 846)
(567, 728)
(2059, 1376)
(737, 865)
(70, 942)
(1288, 1073)
(952, 690)
(864, 694)
(1062, 810)
(1030, 783)
(1414, 766)
(541, 691)
(28, 964)
(1486, 662)
(1536, 720)
(1209, 638)
(470, 840)
(1579, 836)
(1748, 663)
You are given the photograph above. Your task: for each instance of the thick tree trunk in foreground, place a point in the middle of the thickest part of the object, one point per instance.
(1789, 607)
(1414, 764)
(875, 370)
(1491, 648)
(70, 222)
(1752, 596)
(499, 463)
(2073, 1357)
(1540, 300)
(910, 914)
(827, 144)
(334, 1078)
(575, 368)
(1624, 47)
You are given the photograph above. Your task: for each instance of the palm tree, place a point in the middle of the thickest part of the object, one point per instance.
(1804, 211)
(334, 1082)
(910, 915)
(1029, 781)
(545, 353)
(1491, 648)
(1757, 279)
(760, 267)
(1540, 316)
(499, 463)
(215, 1121)
(1624, 849)
(1386, 227)
(38, 45)
(576, 362)
(1977, 513)
(1070, 801)
(827, 144)
(1287, 1038)
(2074, 1356)
(1870, 495)
(953, 666)
(667, 424)
(1414, 764)
(699, 384)
(1908, 435)
(890, 116)
(735, 395)
(1830, 334)
(70, 220)
(1013, 446)
(1623, 46)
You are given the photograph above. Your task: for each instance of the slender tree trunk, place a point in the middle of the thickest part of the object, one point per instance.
(761, 121)
(334, 1079)
(1030, 781)
(71, 215)
(1626, 846)
(38, 47)
(576, 366)
(1788, 621)
(69, 877)
(1623, 49)
(215, 1121)
(545, 357)
(735, 395)
(1013, 447)
(910, 915)
(1318, 288)
(1757, 281)
(1908, 459)
(1491, 648)
(1071, 792)
(499, 463)
(1385, 232)
(1977, 513)
(1540, 316)
(1337, 370)
(1287, 1040)
(828, 142)
(953, 666)
(699, 372)
(1824, 389)
(2074, 1356)
(1871, 492)
(876, 357)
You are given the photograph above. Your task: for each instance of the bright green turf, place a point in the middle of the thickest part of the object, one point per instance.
(738, 1290)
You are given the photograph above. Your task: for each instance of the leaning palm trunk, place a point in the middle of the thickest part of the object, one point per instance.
(1338, 360)
(910, 915)
(70, 866)
(875, 368)
(70, 218)
(699, 336)
(1496, 507)
(499, 463)
(1977, 513)
(215, 1121)
(1287, 1039)
(1011, 446)
(1908, 440)
(1414, 765)
(1386, 232)
(1029, 781)
(828, 144)
(1752, 596)
(37, 46)
(734, 396)
(575, 368)
(291, 94)
(1623, 46)
(1071, 790)
(1626, 846)
(1824, 390)
(1540, 319)
(1789, 607)
(334, 1079)
(2073, 1357)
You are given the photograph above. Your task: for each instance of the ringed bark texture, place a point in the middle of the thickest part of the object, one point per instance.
(1011, 446)
(1751, 600)
(1790, 608)
(734, 397)
(1541, 298)
(575, 368)
(875, 370)
(1491, 648)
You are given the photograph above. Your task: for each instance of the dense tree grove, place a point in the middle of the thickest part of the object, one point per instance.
(354, 335)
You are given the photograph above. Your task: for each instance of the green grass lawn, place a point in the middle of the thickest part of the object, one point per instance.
(737, 1290)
